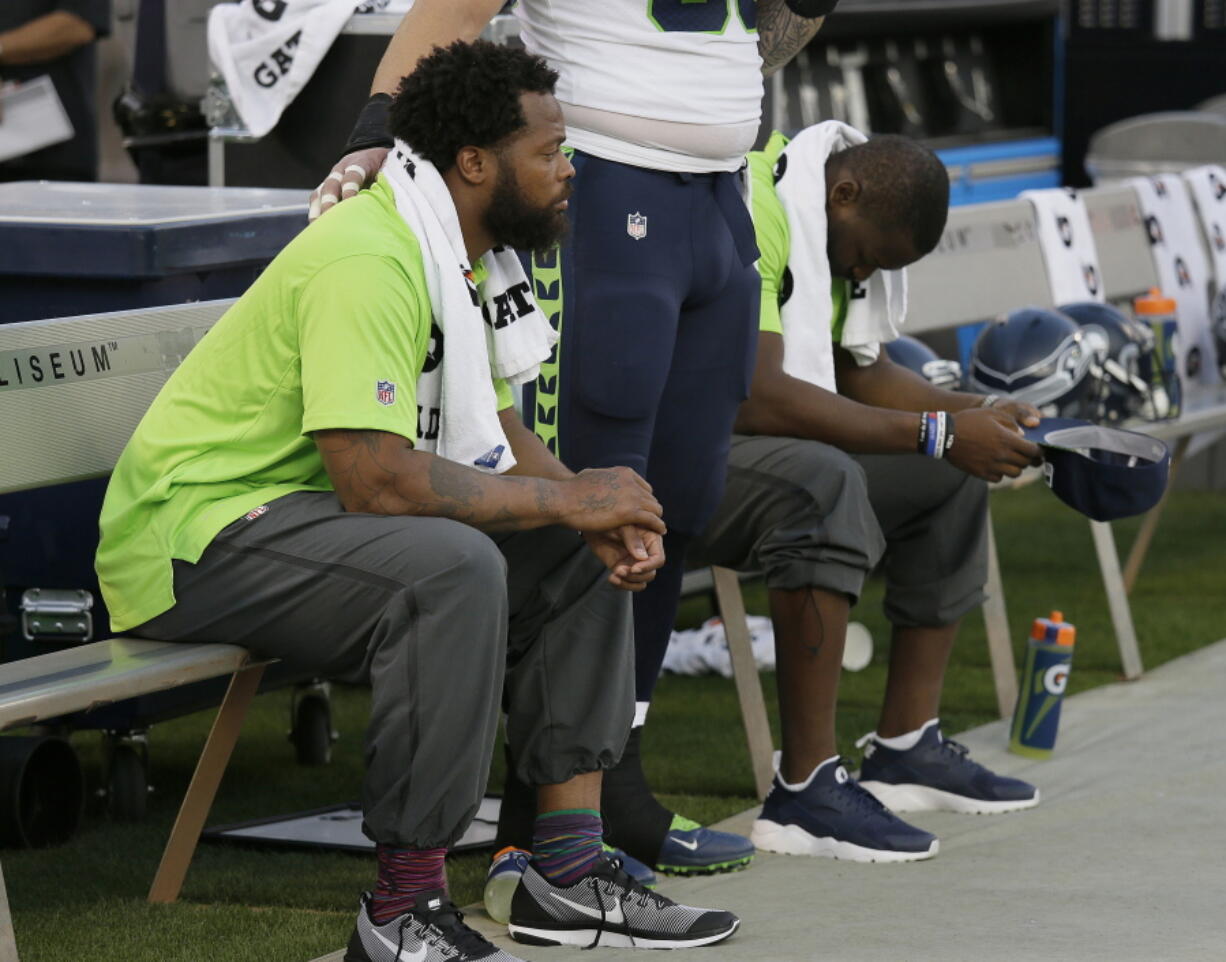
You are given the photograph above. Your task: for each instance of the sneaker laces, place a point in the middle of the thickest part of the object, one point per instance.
(447, 923)
(625, 890)
(863, 798)
(960, 751)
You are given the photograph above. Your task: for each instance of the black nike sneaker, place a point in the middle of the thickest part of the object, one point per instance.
(433, 930)
(608, 907)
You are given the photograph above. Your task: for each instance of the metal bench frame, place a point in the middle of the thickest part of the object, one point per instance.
(123, 360)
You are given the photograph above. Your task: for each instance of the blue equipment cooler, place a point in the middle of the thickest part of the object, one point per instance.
(73, 249)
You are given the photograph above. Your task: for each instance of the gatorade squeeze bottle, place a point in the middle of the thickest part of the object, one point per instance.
(1048, 659)
(1159, 313)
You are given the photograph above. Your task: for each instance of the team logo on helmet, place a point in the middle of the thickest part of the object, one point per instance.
(636, 225)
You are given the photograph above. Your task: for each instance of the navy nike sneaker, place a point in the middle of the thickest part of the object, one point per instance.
(937, 775)
(832, 816)
(691, 849)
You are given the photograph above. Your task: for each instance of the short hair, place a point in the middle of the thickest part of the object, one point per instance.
(904, 186)
(465, 95)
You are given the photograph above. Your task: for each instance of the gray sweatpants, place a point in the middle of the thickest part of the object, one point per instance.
(810, 515)
(445, 623)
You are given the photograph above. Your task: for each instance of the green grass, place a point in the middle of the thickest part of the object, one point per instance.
(85, 900)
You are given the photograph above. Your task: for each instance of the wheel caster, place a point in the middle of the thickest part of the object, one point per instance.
(127, 779)
(312, 732)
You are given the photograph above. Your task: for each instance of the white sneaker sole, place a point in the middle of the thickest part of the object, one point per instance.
(614, 940)
(921, 798)
(794, 840)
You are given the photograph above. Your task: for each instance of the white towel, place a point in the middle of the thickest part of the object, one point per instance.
(495, 328)
(1067, 244)
(1183, 272)
(1208, 187)
(875, 310)
(268, 49)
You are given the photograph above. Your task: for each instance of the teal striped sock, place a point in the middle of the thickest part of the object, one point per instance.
(566, 844)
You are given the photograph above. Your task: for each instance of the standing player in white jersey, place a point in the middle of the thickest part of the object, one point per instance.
(654, 291)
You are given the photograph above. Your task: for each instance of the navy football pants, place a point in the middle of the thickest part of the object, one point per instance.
(656, 297)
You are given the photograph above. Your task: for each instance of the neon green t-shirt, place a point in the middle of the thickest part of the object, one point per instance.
(333, 334)
(774, 241)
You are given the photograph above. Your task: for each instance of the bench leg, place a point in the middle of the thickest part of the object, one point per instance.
(8, 941)
(996, 624)
(1117, 598)
(1136, 554)
(745, 673)
(199, 798)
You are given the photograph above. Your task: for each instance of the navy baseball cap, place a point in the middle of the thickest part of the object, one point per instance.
(1104, 473)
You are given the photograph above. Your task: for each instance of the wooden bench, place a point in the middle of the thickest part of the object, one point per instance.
(988, 262)
(73, 427)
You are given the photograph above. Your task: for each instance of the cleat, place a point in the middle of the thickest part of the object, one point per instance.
(691, 849)
(937, 775)
(607, 907)
(832, 816)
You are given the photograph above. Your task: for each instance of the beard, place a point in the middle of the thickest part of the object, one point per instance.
(513, 222)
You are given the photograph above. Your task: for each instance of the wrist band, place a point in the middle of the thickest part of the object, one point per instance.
(935, 434)
(989, 400)
(371, 128)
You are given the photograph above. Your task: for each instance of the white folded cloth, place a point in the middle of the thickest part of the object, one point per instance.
(1183, 271)
(1067, 244)
(1208, 187)
(268, 49)
(875, 311)
(467, 314)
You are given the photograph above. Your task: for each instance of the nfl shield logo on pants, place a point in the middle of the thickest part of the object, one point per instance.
(636, 225)
(385, 392)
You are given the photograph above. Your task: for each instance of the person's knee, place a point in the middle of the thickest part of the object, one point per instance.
(476, 561)
(825, 533)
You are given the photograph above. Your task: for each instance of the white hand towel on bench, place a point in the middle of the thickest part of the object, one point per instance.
(1208, 187)
(1067, 244)
(1183, 272)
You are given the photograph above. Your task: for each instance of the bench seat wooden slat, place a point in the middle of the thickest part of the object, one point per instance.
(62, 682)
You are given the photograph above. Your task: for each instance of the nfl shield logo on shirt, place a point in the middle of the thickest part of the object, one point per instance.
(385, 392)
(636, 225)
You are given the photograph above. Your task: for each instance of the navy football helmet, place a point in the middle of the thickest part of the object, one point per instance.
(913, 353)
(1038, 356)
(1123, 369)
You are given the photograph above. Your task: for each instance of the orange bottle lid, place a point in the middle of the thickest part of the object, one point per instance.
(1153, 303)
(1066, 636)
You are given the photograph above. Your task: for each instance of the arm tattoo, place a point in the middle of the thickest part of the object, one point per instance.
(781, 34)
(367, 479)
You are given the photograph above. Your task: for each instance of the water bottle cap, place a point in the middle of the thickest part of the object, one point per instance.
(1057, 616)
(1153, 303)
(1066, 635)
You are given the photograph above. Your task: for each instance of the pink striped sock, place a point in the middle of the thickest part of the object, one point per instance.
(404, 873)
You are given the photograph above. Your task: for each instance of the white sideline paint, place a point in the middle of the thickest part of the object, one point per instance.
(794, 840)
(921, 798)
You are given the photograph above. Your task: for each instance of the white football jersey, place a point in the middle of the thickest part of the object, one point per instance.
(689, 68)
